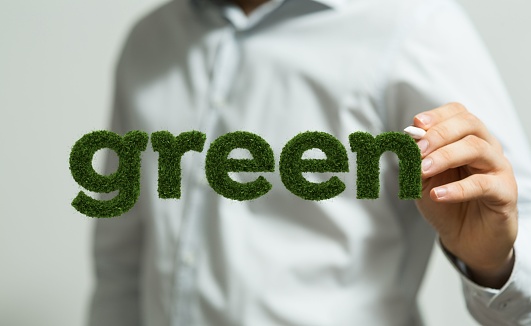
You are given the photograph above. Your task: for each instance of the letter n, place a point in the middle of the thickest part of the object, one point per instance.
(369, 150)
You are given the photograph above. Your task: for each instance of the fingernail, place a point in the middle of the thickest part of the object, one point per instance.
(423, 145)
(440, 192)
(425, 119)
(426, 163)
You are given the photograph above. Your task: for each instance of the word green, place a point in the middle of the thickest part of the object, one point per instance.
(126, 179)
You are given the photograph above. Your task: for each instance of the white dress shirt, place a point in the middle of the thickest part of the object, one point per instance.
(336, 66)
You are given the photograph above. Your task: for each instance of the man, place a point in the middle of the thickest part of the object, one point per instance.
(278, 68)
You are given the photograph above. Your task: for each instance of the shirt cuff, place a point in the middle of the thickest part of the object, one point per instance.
(511, 304)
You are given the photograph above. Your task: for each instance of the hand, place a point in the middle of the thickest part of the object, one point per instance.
(469, 192)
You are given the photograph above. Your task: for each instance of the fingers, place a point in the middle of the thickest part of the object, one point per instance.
(432, 117)
(477, 186)
(448, 124)
(471, 151)
(458, 146)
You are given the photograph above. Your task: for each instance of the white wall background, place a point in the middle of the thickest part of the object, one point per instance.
(56, 63)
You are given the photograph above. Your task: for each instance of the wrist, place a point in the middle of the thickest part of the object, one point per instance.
(485, 273)
(493, 277)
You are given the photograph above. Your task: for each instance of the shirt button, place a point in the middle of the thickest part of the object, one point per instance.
(218, 102)
(188, 258)
(503, 305)
(200, 179)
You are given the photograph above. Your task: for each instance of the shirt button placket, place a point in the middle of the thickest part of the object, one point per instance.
(225, 64)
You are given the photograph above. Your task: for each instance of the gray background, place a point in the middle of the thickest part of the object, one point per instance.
(56, 62)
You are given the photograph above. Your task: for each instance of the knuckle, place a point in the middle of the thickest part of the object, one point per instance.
(475, 143)
(471, 120)
(502, 164)
(472, 187)
(457, 106)
(439, 132)
(445, 154)
(507, 164)
(483, 185)
(497, 145)
(460, 189)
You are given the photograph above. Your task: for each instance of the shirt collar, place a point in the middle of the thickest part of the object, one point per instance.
(241, 22)
(334, 4)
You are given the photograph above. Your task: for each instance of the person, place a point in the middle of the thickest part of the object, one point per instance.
(280, 67)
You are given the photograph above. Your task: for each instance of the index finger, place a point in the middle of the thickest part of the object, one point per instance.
(428, 119)
(450, 123)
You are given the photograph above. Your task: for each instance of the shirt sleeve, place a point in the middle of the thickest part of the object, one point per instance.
(439, 58)
(117, 245)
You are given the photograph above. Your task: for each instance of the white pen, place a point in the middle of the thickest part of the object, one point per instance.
(415, 132)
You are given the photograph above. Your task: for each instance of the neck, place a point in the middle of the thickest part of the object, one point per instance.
(249, 5)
